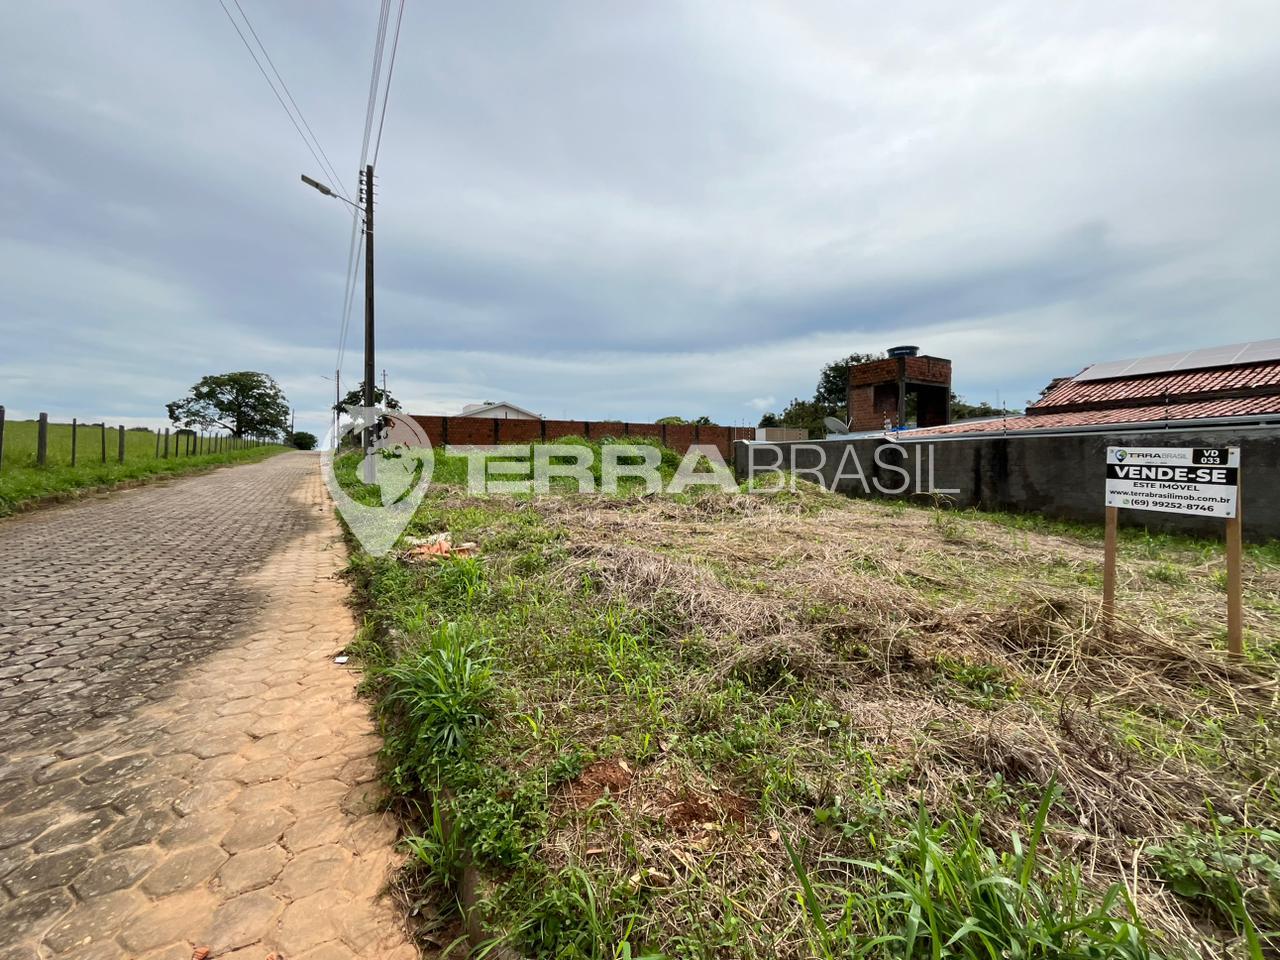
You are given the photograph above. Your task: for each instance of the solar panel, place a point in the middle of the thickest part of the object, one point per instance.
(1225, 356)
(1157, 364)
(1259, 351)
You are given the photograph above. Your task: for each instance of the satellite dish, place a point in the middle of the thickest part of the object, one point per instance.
(835, 426)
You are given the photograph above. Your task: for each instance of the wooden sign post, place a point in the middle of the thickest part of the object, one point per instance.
(1109, 568)
(1235, 595)
(1190, 480)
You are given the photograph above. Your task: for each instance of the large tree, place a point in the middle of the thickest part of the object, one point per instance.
(807, 415)
(246, 403)
(830, 399)
(833, 383)
(355, 398)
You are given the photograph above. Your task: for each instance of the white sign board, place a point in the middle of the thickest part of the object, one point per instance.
(1195, 480)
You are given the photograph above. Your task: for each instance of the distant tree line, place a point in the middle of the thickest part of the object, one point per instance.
(673, 421)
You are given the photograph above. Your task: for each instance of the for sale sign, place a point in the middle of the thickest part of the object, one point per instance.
(1197, 480)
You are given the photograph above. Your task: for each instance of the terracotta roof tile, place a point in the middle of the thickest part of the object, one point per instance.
(1238, 407)
(1071, 392)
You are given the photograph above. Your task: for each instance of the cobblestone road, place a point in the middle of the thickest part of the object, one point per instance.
(181, 763)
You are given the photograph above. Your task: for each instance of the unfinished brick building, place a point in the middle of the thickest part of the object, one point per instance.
(881, 390)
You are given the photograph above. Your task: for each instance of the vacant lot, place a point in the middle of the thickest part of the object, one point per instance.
(802, 726)
(22, 482)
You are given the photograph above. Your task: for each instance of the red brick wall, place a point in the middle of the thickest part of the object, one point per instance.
(929, 370)
(434, 426)
(862, 408)
(919, 369)
(678, 437)
(607, 428)
(478, 430)
(644, 430)
(877, 371)
(565, 428)
(873, 390)
(527, 431)
(470, 430)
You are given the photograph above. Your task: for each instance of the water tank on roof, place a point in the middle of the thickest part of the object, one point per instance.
(907, 351)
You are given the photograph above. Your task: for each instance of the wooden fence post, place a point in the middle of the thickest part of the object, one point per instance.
(42, 440)
(1, 436)
(121, 454)
(73, 441)
(166, 443)
(104, 440)
(157, 443)
(1109, 570)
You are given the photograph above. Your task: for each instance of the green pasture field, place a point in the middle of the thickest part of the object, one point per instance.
(22, 482)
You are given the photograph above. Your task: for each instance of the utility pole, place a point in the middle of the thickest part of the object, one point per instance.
(366, 196)
(368, 317)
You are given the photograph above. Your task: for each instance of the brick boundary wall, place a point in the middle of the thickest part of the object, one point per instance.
(442, 431)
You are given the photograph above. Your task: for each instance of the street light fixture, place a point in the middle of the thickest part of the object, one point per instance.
(327, 191)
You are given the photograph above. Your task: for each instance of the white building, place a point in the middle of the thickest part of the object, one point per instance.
(498, 411)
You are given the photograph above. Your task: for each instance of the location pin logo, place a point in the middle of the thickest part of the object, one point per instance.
(398, 462)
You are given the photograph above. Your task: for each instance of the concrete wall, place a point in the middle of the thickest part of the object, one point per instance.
(1055, 475)
(781, 433)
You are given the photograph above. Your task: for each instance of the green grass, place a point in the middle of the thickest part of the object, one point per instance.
(942, 892)
(22, 482)
(1137, 540)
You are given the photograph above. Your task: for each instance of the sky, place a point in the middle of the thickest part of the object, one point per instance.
(609, 211)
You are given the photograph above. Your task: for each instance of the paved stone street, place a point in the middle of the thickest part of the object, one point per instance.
(181, 762)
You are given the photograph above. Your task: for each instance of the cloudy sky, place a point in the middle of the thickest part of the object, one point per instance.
(609, 210)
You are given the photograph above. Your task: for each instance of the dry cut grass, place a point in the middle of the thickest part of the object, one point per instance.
(961, 655)
(689, 686)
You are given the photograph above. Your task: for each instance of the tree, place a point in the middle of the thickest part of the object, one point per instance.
(833, 383)
(246, 403)
(674, 421)
(805, 415)
(355, 398)
(302, 440)
(830, 399)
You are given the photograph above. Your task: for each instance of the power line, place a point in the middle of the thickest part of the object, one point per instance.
(395, 42)
(353, 265)
(349, 295)
(279, 98)
(328, 165)
(375, 75)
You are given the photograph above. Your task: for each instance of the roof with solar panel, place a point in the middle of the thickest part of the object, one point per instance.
(1239, 380)
(1256, 351)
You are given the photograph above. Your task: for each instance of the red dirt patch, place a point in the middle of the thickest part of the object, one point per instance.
(599, 778)
(687, 812)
